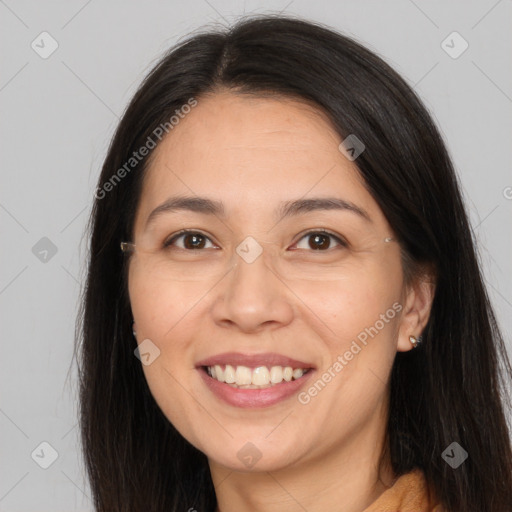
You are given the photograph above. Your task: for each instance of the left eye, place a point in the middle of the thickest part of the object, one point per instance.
(319, 240)
(193, 240)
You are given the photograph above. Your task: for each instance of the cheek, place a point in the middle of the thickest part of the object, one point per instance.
(362, 314)
(359, 318)
(161, 305)
(365, 316)
(167, 313)
(353, 302)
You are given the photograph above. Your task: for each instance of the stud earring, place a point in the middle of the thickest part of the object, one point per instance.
(415, 341)
(134, 331)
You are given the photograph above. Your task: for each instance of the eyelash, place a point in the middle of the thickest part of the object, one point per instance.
(168, 243)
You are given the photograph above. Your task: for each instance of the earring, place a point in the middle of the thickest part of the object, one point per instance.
(134, 331)
(415, 341)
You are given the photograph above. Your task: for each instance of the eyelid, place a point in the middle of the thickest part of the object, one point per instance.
(338, 238)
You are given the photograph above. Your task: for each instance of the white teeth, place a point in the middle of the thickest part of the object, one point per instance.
(297, 374)
(276, 374)
(229, 374)
(260, 376)
(253, 378)
(219, 374)
(243, 375)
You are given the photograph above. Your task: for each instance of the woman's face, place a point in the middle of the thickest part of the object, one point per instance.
(251, 281)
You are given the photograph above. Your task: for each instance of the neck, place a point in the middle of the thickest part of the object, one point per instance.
(347, 476)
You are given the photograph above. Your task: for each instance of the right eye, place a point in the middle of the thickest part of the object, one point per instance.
(192, 240)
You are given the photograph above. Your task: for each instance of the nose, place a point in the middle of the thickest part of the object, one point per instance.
(252, 297)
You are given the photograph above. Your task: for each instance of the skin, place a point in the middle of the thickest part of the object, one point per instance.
(251, 154)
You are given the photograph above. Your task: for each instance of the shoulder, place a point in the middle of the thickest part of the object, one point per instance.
(409, 493)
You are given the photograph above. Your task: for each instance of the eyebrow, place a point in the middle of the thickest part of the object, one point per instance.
(206, 206)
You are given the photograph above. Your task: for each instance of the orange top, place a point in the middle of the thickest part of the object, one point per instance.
(409, 493)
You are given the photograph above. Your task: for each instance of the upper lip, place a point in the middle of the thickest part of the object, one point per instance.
(253, 360)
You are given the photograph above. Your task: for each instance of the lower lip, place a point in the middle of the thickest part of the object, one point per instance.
(250, 398)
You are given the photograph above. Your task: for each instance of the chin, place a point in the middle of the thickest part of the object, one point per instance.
(253, 457)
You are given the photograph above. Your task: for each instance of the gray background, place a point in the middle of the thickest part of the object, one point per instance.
(59, 113)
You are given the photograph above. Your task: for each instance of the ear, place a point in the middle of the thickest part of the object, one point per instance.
(417, 305)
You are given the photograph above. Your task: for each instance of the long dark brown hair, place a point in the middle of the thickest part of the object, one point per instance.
(453, 388)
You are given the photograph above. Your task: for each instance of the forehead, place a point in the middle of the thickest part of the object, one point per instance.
(250, 152)
(242, 125)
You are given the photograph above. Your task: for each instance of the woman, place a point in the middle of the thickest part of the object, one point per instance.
(284, 309)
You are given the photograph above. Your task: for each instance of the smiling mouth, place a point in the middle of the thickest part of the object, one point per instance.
(261, 377)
